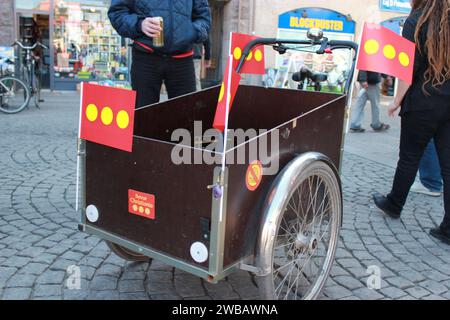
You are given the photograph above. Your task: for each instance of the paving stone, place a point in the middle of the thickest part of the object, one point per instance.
(368, 294)
(433, 286)
(131, 286)
(109, 269)
(392, 292)
(220, 291)
(348, 282)
(104, 295)
(47, 290)
(413, 276)
(433, 297)
(21, 280)
(33, 268)
(157, 288)
(104, 283)
(16, 261)
(51, 277)
(133, 296)
(16, 294)
(166, 297)
(188, 286)
(418, 292)
(45, 258)
(337, 292)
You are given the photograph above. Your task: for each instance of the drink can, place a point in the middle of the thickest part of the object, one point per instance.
(159, 40)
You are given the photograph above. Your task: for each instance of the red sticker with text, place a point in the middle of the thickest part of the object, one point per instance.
(253, 176)
(141, 204)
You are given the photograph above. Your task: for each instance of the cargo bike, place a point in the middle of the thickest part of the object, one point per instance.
(211, 220)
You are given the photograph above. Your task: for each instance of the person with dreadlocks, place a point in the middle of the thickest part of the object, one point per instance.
(424, 107)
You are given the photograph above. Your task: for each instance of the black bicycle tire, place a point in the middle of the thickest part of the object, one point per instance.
(27, 98)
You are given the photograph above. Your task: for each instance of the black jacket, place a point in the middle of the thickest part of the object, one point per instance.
(185, 22)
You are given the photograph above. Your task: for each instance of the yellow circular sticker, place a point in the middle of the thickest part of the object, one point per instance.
(107, 116)
(253, 176)
(404, 59)
(258, 55)
(122, 119)
(389, 51)
(91, 112)
(371, 46)
(237, 53)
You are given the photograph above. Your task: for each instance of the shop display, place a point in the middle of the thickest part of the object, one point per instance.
(86, 46)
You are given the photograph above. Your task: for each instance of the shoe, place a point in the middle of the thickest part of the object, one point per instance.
(418, 187)
(385, 205)
(382, 127)
(358, 130)
(438, 233)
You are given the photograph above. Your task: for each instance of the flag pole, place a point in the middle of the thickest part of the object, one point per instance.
(225, 132)
(78, 150)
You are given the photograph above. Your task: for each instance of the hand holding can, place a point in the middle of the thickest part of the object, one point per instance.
(152, 27)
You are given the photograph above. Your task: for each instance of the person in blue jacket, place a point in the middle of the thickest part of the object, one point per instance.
(186, 22)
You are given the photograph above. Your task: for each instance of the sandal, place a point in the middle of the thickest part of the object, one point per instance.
(382, 127)
(358, 130)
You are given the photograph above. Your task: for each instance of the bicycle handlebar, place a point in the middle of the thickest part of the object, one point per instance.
(34, 46)
(324, 44)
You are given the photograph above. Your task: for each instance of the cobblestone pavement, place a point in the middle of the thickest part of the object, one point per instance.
(39, 237)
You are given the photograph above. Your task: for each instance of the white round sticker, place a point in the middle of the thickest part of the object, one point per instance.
(92, 213)
(199, 252)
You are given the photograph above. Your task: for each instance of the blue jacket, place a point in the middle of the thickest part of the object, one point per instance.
(185, 21)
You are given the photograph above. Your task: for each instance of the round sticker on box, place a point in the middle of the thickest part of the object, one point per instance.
(199, 252)
(253, 176)
(92, 213)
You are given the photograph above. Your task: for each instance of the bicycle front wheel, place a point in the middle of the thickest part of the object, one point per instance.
(14, 95)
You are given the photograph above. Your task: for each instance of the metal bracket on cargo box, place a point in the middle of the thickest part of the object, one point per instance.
(255, 270)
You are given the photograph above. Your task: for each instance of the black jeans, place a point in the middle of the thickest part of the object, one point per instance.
(417, 129)
(149, 71)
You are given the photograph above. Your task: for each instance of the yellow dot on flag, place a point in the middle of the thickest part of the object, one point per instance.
(250, 56)
(389, 51)
(258, 55)
(141, 209)
(371, 46)
(404, 59)
(135, 207)
(237, 53)
(122, 119)
(91, 112)
(147, 211)
(222, 92)
(107, 116)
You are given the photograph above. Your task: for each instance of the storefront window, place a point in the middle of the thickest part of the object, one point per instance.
(41, 5)
(85, 44)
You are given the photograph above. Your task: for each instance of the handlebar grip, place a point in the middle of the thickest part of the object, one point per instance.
(323, 46)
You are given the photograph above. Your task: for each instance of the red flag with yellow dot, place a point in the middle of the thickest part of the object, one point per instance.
(230, 84)
(254, 63)
(107, 116)
(384, 51)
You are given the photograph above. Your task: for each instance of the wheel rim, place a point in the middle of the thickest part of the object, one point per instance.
(305, 244)
(14, 95)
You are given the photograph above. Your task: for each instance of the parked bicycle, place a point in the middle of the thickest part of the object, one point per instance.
(15, 94)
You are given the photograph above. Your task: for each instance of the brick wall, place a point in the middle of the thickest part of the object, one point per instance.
(6, 22)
